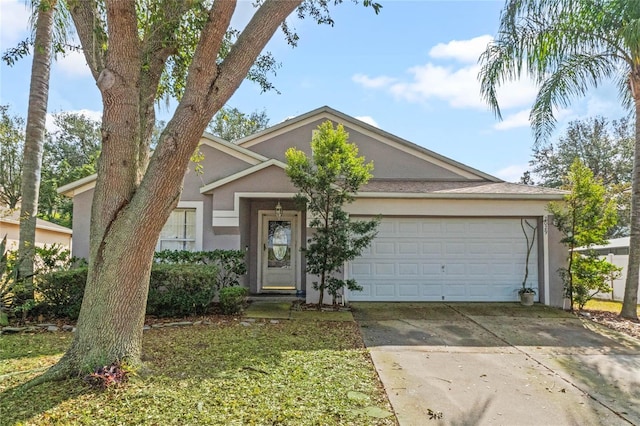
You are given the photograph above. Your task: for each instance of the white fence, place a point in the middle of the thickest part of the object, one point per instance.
(621, 260)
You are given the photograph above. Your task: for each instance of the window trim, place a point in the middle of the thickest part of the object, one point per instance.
(198, 206)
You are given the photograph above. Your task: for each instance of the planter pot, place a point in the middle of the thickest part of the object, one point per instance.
(526, 299)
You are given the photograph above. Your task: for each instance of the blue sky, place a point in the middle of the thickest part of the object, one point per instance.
(411, 71)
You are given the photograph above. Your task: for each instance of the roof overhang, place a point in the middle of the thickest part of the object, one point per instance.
(246, 172)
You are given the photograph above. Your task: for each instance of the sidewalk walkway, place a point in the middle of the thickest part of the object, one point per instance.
(267, 309)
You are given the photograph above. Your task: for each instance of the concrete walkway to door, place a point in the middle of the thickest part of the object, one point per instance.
(500, 364)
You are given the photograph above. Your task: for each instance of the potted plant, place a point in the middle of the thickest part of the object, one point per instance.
(527, 294)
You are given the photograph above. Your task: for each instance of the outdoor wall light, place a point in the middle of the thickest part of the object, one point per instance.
(278, 210)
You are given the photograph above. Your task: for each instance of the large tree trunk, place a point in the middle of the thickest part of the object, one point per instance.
(629, 305)
(34, 144)
(131, 200)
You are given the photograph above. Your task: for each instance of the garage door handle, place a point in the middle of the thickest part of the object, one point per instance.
(442, 268)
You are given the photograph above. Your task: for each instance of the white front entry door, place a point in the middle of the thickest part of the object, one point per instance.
(279, 252)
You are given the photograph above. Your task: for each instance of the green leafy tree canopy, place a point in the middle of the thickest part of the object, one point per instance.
(584, 219)
(11, 147)
(232, 124)
(327, 181)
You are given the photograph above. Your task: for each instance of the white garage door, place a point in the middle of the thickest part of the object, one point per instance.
(445, 259)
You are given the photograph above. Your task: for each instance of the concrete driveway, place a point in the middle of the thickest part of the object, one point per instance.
(500, 364)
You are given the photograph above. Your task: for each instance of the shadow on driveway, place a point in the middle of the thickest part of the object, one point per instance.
(500, 364)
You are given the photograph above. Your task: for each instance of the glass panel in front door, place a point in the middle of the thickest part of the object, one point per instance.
(279, 244)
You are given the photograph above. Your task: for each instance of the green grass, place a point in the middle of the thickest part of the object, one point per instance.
(605, 305)
(292, 373)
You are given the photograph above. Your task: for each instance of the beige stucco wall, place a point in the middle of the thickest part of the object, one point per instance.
(557, 258)
(81, 223)
(43, 236)
(270, 180)
(385, 158)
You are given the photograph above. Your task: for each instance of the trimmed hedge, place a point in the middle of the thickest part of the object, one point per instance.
(178, 290)
(232, 299)
(61, 292)
(174, 290)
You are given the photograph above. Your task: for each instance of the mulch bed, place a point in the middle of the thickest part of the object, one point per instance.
(615, 322)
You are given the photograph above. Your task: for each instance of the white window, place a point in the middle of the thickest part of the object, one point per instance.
(179, 233)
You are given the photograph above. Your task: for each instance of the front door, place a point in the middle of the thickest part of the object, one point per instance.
(279, 252)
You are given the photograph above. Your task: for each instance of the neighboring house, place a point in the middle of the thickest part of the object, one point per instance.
(616, 252)
(448, 232)
(47, 233)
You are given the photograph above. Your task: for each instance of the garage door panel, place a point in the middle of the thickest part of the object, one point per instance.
(362, 270)
(385, 290)
(451, 259)
(408, 269)
(408, 228)
(382, 248)
(408, 248)
(455, 249)
(431, 248)
(455, 228)
(431, 227)
(432, 269)
(408, 290)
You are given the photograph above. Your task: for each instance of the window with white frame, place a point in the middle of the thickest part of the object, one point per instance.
(179, 233)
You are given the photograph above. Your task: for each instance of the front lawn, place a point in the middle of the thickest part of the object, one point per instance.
(605, 306)
(228, 373)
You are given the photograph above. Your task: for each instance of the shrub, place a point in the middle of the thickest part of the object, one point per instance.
(232, 299)
(591, 275)
(62, 292)
(231, 263)
(178, 290)
(174, 290)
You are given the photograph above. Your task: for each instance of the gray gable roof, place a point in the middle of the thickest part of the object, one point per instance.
(462, 189)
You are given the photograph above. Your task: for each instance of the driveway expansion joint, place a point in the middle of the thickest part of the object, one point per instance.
(541, 364)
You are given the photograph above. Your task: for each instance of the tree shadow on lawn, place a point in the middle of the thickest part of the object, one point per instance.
(18, 405)
(209, 351)
(183, 362)
(28, 345)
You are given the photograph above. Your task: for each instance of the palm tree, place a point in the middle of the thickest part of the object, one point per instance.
(569, 47)
(47, 25)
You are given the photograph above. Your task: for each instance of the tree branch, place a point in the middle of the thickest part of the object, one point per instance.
(90, 28)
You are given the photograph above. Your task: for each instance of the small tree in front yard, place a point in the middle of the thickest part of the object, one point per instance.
(584, 219)
(326, 182)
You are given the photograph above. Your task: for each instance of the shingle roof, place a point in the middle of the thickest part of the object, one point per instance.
(457, 187)
(14, 217)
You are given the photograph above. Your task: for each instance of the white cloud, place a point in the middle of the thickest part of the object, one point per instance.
(512, 173)
(512, 121)
(73, 64)
(457, 85)
(93, 115)
(373, 83)
(521, 119)
(14, 22)
(467, 51)
(369, 120)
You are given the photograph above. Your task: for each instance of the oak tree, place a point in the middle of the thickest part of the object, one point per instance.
(139, 52)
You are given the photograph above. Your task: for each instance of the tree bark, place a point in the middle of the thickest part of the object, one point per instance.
(34, 144)
(131, 200)
(630, 301)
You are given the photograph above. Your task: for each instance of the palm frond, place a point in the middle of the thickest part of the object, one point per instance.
(573, 78)
(566, 46)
